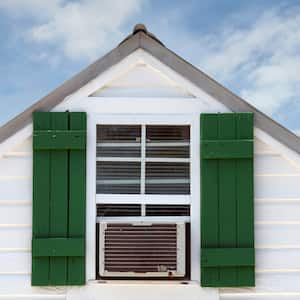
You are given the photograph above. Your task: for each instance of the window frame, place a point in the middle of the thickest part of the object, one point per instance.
(193, 198)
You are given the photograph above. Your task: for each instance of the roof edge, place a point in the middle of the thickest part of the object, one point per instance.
(219, 92)
(142, 39)
(70, 86)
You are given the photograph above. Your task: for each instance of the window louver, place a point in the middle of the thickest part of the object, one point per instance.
(143, 159)
(118, 177)
(118, 210)
(167, 141)
(142, 250)
(167, 210)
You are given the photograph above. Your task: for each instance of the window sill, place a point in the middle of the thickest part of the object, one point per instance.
(144, 282)
(142, 289)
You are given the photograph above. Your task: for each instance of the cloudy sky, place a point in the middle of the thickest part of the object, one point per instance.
(251, 47)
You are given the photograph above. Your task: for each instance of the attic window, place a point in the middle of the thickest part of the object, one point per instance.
(143, 159)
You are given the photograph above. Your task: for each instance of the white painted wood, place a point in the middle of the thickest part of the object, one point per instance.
(274, 164)
(144, 199)
(278, 147)
(16, 189)
(34, 297)
(262, 148)
(142, 75)
(277, 235)
(135, 290)
(15, 140)
(25, 146)
(279, 282)
(15, 213)
(12, 262)
(18, 284)
(157, 92)
(277, 259)
(15, 167)
(14, 237)
(277, 210)
(277, 187)
(195, 198)
(260, 296)
(91, 199)
(138, 106)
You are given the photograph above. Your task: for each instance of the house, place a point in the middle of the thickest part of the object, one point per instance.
(143, 178)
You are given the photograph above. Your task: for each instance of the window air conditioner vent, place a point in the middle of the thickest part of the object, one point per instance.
(142, 250)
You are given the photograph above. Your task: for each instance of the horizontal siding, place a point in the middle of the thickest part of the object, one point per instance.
(15, 167)
(277, 228)
(16, 189)
(15, 262)
(262, 148)
(261, 296)
(276, 259)
(15, 237)
(276, 165)
(11, 213)
(277, 235)
(275, 187)
(20, 285)
(271, 282)
(277, 211)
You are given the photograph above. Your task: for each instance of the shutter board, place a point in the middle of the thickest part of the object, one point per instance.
(41, 208)
(227, 196)
(58, 199)
(227, 257)
(58, 139)
(58, 247)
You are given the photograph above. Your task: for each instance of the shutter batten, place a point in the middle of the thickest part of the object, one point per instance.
(59, 140)
(227, 222)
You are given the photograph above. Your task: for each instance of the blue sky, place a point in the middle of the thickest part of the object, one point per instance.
(251, 47)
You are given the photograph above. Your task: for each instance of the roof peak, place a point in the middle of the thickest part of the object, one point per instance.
(140, 27)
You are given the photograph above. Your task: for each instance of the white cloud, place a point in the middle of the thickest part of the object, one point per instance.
(39, 9)
(80, 29)
(262, 60)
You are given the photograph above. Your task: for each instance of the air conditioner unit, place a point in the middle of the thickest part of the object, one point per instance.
(142, 250)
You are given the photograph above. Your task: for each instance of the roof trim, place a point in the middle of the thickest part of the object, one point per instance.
(145, 40)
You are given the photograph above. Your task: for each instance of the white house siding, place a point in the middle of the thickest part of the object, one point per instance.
(277, 228)
(277, 209)
(15, 228)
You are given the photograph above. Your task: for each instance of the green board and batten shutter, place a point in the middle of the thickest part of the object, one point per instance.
(59, 167)
(227, 217)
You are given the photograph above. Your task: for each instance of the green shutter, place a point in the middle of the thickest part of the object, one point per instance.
(227, 222)
(58, 219)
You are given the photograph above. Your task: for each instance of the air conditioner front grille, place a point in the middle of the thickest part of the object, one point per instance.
(142, 250)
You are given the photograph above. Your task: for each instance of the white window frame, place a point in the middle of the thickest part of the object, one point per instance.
(193, 198)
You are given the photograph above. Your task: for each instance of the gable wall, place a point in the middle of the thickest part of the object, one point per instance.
(277, 198)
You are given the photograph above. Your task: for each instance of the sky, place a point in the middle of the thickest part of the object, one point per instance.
(251, 47)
